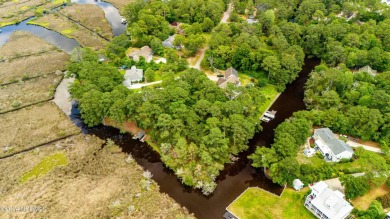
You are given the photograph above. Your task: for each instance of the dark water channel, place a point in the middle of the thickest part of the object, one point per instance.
(61, 41)
(235, 178)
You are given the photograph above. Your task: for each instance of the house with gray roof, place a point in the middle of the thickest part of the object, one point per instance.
(230, 76)
(145, 52)
(168, 43)
(133, 75)
(331, 147)
(325, 203)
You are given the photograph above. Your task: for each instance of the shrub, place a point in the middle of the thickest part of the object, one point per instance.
(385, 200)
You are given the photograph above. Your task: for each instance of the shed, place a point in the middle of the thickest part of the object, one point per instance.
(368, 69)
(298, 184)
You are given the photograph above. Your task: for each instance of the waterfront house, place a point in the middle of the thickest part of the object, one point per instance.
(133, 75)
(230, 76)
(331, 147)
(145, 52)
(325, 203)
(298, 184)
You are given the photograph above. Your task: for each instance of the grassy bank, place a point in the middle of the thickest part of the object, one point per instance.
(91, 16)
(66, 27)
(256, 203)
(29, 92)
(31, 66)
(22, 43)
(32, 126)
(270, 93)
(79, 171)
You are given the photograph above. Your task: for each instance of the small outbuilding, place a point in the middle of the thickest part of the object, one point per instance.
(368, 69)
(298, 184)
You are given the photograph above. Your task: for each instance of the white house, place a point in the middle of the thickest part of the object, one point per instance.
(325, 203)
(331, 147)
(298, 184)
(133, 75)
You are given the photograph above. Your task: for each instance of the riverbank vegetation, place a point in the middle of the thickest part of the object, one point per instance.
(61, 24)
(13, 12)
(255, 201)
(23, 43)
(28, 92)
(24, 68)
(47, 122)
(91, 16)
(86, 172)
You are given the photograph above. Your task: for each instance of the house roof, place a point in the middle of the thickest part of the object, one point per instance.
(145, 52)
(169, 41)
(251, 21)
(231, 72)
(134, 74)
(331, 203)
(230, 76)
(368, 69)
(337, 146)
(223, 82)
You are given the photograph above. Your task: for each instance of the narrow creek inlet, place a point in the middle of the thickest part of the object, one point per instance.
(235, 178)
(60, 41)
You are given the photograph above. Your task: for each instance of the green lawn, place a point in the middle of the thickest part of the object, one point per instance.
(46, 165)
(256, 203)
(270, 94)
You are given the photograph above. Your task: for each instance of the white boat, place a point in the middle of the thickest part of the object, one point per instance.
(124, 21)
(265, 119)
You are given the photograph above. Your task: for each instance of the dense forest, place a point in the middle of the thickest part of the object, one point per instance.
(356, 34)
(196, 125)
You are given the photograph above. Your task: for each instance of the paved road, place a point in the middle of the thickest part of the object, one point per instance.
(336, 184)
(136, 86)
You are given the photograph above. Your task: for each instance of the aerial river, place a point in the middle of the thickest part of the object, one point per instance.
(61, 41)
(232, 181)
